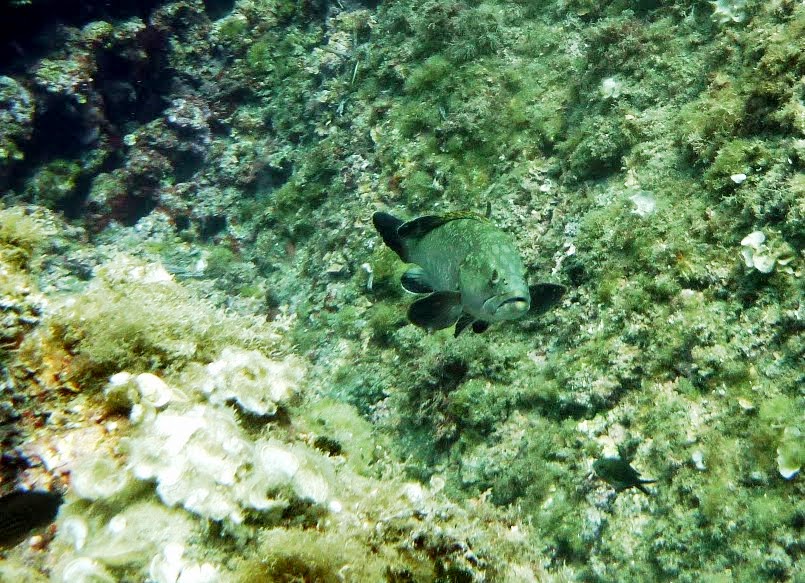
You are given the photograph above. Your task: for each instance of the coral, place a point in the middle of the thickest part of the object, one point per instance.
(108, 541)
(755, 253)
(172, 568)
(644, 202)
(256, 383)
(611, 88)
(11, 571)
(98, 478)
(85, 570)
(727, 11)
(791, 453)
(195, 458)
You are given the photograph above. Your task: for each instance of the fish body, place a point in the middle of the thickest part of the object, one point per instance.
(21, 512)
(619, 474)
(470, 269)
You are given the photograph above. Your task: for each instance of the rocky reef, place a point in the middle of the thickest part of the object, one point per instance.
(204, 343)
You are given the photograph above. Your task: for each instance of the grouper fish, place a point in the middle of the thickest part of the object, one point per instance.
(471, 271)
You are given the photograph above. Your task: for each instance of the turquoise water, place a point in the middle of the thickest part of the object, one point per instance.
(205, 345)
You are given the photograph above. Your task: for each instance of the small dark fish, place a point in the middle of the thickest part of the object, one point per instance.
(619, 474)
(21, 512)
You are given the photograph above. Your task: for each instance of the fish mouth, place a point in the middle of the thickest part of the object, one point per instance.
(509, 306)
(517, 301)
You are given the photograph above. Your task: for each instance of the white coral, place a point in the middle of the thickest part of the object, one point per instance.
(725, 11)
(756, 254)
(255, 382)
(202, 460)
(790, 453)
(194, 457)
(170, 567)
(98, 477)
(85, 570)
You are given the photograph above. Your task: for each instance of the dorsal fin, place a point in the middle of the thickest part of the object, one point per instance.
(419, 227)
(388, 226)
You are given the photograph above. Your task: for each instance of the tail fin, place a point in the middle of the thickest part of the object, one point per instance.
(387, 225)
(545, 296)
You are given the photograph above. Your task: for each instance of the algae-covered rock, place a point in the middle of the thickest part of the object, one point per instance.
(791, 453)
(215, 339)
(17, 109)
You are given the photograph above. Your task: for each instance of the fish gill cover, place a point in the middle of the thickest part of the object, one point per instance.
(204, 342)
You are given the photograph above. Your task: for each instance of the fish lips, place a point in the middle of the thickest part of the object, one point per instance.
(508, 306)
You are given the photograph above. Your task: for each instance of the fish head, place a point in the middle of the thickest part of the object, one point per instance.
(494, 290)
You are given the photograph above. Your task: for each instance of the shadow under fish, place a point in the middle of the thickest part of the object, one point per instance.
(23, 511)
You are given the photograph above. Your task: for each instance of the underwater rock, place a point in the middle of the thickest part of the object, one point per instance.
(791, 453)
(190, 118)
(17, 109)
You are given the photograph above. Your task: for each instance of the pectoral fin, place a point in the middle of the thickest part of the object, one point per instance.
(464, 321)
(545, 296)
(438, 310)
(415, 281)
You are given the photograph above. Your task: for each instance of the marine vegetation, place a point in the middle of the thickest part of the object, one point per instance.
(205, 344)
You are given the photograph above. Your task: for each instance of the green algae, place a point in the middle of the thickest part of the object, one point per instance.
(667, 344)
(136, 317)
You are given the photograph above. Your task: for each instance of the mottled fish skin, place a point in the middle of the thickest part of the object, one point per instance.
(21, 512)
(475, 258)
(463, 254)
